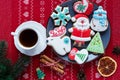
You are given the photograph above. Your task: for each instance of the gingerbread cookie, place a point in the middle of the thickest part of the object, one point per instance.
(61, 16)
(72, 53)
(99, 21)
(83, 6)
(40, 74)
(78, 56)
(81, 56)
(96, 45)
(80, 32)
(60, 43)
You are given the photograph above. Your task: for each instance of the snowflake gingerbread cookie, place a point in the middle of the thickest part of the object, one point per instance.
(80, 32)
(99, 21)
(61, 16)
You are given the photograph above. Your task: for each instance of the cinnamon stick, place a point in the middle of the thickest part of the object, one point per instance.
(52, 61)
(52, 67)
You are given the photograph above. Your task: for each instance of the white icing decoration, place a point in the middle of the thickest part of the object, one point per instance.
(80, 25)
(60, 45)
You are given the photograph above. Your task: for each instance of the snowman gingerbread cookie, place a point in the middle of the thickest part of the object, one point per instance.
(99, 21)
(80, 32)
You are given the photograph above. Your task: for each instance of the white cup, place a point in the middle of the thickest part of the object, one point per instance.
(30, 38)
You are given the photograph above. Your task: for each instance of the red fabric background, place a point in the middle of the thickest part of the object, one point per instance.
(14, 12)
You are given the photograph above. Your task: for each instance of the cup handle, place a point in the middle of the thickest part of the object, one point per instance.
(13, 33)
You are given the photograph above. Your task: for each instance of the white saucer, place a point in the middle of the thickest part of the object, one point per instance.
(42, 34)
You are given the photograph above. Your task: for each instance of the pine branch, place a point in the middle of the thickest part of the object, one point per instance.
(19, 66)
(7, 70)
(3, 48)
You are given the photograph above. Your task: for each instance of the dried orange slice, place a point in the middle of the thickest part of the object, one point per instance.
(107, 66)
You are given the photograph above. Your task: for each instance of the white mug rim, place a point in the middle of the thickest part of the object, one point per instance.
(21, 45)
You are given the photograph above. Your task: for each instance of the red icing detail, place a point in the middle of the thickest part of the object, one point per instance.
(72, 53)
(90, 9)
(80, 15)
(57, 31)
(81, 33)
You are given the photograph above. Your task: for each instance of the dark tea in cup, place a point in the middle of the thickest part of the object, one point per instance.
(28, 38)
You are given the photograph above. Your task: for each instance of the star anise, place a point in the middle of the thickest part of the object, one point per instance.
(116, 50)
(81, 75)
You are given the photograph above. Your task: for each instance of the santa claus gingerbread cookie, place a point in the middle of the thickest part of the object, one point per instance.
(80, 32)
(83, 6)
(99, 21)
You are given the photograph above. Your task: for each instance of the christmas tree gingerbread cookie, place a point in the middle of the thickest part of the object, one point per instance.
(99, 21)
(61, 16)
(96, 45)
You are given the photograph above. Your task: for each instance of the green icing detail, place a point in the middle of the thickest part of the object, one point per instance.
(61, 16)
(64, 22)
(40, 74)
(57, 22)
(68, 17)
(66, 10)
(81, 56)
(54, 15)
(96, 45)
(81, 7)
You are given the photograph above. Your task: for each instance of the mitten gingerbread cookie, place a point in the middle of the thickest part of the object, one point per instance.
(80, 32)
(83, 6)
(99, 21)
(80, 56)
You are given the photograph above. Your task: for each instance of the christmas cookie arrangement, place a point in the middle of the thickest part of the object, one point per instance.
(78, 31)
